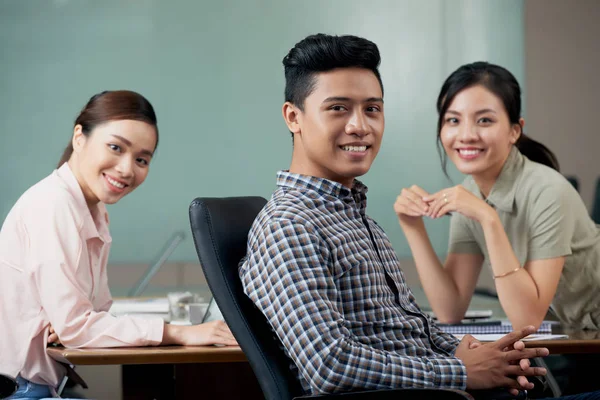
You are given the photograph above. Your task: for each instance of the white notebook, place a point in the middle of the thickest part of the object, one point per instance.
(492, 337)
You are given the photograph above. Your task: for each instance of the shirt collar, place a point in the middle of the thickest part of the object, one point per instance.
(91, 228)
(357, 194)
(502, 195)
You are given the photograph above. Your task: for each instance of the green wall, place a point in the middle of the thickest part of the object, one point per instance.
(213, 71)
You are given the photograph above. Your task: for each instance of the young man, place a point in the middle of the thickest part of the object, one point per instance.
(325, 274)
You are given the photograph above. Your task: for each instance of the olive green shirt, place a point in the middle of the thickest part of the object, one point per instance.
(543, 217)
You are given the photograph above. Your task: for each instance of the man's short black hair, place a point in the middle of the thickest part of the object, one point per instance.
(320, 53)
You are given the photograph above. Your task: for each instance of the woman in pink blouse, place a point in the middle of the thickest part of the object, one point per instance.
(54, 247)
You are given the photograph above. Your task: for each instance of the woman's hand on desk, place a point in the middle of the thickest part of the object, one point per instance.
(214, 332)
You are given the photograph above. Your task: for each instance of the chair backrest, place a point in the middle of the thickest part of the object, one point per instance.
(573, 181)
(220, 229)
(596, 205)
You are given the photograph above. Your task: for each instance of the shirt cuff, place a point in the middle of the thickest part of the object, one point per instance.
(549, 252)
(449, 373)
(464, 248)
(156, 327)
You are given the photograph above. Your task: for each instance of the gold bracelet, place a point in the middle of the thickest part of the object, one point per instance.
(507, 273)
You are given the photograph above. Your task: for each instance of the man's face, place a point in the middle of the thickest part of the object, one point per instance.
(339, 133)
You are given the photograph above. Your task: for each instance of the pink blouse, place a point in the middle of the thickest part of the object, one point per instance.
(53, 257)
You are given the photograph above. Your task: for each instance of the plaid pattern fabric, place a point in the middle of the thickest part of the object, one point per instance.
(313, 270)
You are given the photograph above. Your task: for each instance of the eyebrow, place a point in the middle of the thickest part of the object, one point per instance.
(128, 143)
(485, 110)
(341, 98)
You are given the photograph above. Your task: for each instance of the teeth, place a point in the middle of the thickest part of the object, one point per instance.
(468, 152)
(115, 183)
(354, 148)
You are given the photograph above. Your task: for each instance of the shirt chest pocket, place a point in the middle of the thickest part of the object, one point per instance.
(351, 253)
(347, 268)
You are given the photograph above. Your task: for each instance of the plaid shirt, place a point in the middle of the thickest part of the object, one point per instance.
(326, 277)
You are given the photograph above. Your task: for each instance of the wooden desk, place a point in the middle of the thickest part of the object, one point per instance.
(578, 342)
(173, 372)
(148, 355)
(181, 372)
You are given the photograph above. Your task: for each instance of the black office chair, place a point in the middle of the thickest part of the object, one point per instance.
(8, 386)
(573, 181)
(596, 205)
(220, 229)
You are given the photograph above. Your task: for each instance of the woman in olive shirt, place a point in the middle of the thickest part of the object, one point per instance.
(514, 212)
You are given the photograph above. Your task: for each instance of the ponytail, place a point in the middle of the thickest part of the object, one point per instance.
(537, 152)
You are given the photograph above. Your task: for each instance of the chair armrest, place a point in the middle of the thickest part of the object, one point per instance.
(404, 394)
(497, 394)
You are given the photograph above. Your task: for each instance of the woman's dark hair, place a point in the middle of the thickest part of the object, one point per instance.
(501, 83)
(108, 106)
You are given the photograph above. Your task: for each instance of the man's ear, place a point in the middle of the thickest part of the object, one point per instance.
(292, 116)
(79, 138)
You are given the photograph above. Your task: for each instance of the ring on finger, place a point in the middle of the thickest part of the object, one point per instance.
(445, 198)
